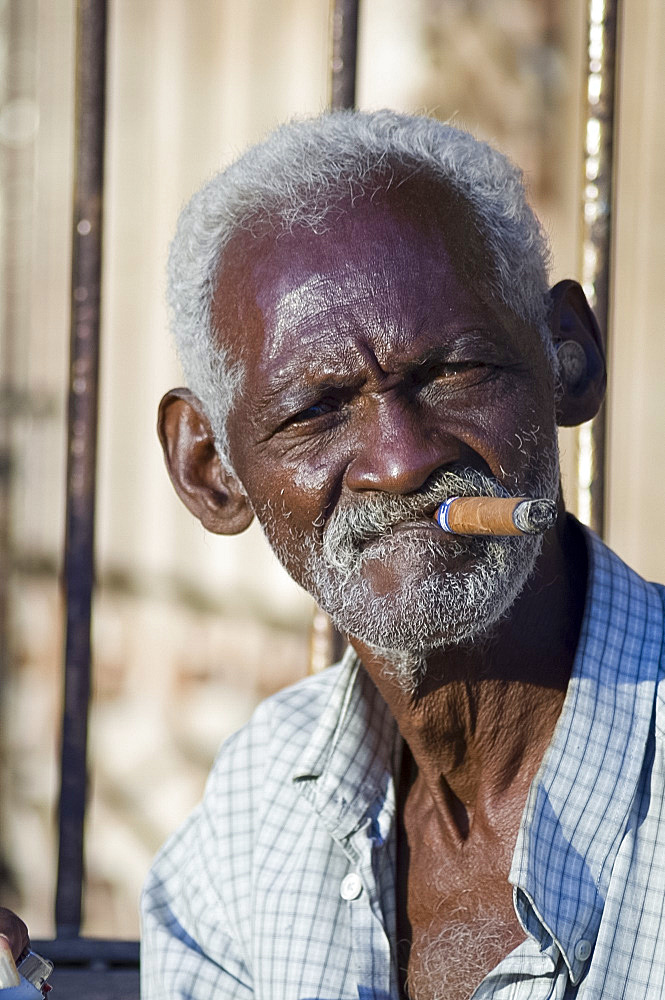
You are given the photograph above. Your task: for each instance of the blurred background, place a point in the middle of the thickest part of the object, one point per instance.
(191, 631)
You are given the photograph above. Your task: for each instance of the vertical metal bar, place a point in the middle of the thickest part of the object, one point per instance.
(597, 207)
(344, 37)
(326, 643)
(82, 448)
(343, 68)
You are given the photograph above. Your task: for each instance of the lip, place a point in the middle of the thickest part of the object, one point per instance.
(454, 558)
(417, 526)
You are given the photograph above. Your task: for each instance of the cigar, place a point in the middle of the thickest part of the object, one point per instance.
(495, 515)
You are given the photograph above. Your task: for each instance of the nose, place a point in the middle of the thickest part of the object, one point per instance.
(397, 450)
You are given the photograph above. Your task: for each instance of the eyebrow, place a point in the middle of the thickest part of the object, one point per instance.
(296, 384)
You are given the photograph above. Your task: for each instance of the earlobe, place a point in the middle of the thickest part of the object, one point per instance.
(213, 494)
(580, 353)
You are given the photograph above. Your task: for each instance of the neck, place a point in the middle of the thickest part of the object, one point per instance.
(483, 714)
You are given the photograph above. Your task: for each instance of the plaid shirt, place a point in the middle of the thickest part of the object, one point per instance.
(282, 883)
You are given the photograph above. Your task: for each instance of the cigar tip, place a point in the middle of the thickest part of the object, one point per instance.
(534, 516)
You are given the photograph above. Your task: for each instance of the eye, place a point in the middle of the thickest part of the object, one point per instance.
(455, 368)
(452, 376)
(321, 414)
(450, 371)
(320, 409)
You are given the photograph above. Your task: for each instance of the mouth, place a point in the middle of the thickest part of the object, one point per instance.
(418, 524)
(425, 519)
(411, 549)
(351, 535)
(423, 525)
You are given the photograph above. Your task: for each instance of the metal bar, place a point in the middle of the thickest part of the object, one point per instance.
(344, 37)
(81, 455)
(326, 643)
(597, 210)
(89, 951)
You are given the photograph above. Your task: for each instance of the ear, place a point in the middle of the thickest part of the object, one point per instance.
(206, 488)
(579, 345)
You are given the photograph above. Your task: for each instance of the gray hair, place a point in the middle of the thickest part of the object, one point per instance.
(301, 175)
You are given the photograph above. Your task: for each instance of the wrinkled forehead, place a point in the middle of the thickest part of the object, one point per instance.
(390, 248)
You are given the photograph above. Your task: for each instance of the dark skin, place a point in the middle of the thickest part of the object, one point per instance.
(14, 930)
(370, 362)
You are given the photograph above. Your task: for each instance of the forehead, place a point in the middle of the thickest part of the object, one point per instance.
(385, 269)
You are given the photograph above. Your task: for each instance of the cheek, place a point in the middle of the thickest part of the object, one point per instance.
(290, 503)
(312, 477)
(530, 453)
(310, 480)
(510, 431)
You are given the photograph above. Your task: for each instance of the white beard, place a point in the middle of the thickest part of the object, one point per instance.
(430, 605)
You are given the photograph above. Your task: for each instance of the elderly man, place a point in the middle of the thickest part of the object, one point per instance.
(470, 802)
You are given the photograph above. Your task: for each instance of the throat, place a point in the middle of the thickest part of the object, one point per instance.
(455, 916)
(458, 815)
(472, 748)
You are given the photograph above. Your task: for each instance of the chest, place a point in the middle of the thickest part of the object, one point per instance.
(456, 919)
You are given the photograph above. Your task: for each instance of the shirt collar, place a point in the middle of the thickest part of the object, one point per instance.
(347, 769)
(579, 802)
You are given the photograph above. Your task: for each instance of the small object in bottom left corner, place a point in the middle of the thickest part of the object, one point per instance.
(27, 979)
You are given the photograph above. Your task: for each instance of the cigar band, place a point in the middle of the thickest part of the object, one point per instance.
(442, 515)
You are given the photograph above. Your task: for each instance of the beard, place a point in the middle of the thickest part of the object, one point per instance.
(443, 590)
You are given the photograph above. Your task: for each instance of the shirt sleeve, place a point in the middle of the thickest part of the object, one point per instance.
(209, 887)
(188, 950)
(195, 937)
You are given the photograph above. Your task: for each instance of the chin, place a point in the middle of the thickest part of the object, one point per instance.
(407, 564)
(420, 600)
(409, 593)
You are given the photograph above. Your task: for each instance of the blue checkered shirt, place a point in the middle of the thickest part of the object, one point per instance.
(282, 883)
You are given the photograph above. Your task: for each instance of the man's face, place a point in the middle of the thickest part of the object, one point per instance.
(376, 383)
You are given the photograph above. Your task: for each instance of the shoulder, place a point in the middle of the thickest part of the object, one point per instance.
(640, 605)
(659, 592)
(251, 780)
(279, 732)
(205, 869)
(624, 625)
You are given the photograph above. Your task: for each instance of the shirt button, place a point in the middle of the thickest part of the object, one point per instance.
(582, 950)
(351, 886)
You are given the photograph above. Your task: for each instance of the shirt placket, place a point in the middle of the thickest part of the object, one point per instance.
(370, 925)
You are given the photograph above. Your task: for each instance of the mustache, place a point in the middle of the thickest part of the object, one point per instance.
(350, 528)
